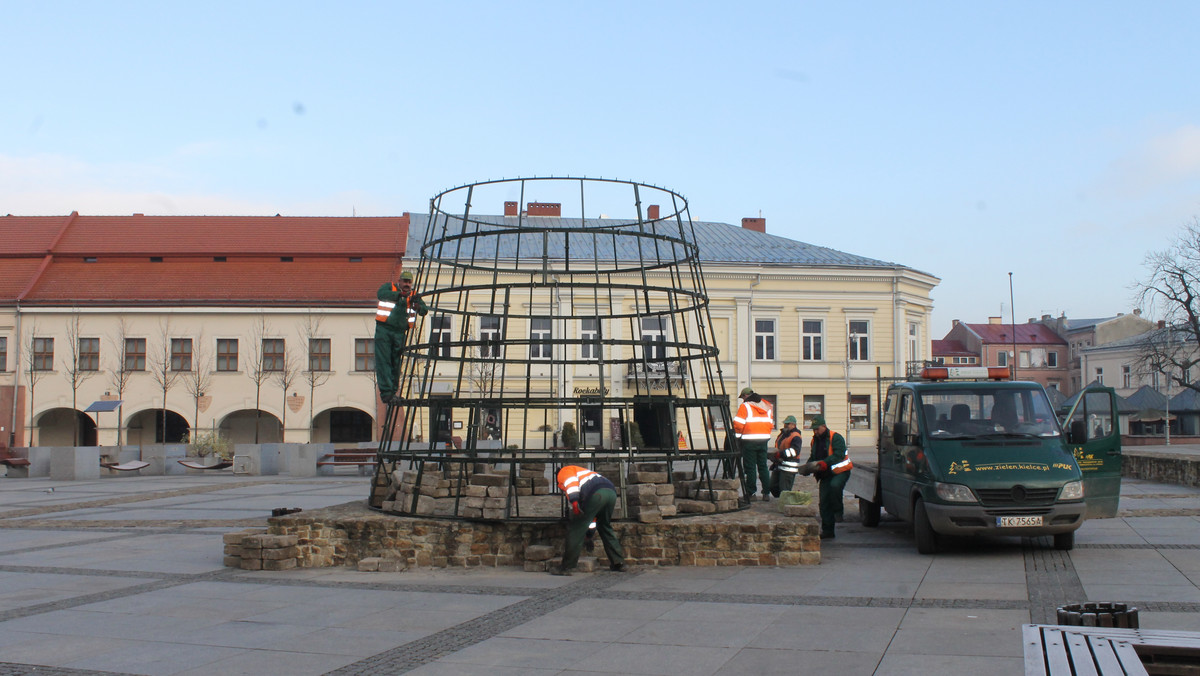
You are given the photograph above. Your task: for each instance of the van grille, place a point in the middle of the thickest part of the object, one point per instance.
(1017, 496)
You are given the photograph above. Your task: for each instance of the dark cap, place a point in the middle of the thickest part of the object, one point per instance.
(406, 275)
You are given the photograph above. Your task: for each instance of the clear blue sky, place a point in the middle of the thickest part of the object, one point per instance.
(1056, 140)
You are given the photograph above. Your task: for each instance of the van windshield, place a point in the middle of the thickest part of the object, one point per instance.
(985, 411)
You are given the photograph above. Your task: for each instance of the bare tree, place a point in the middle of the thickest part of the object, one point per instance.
(1172, 288)
(75, 370)
(119, 375)
(199, 379)
(256, 369)
(35, 369)
(317, 372)
(483, 375)
(284, 376)
(164, 372)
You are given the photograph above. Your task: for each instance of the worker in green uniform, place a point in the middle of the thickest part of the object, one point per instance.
(395, 315)
(829, 463)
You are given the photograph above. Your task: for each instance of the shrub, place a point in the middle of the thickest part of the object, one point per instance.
(570, 438)
(204, 444)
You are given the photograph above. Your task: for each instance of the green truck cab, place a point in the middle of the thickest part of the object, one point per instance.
(963, 451)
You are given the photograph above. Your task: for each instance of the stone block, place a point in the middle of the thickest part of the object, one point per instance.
(694, 507)
(679, 475)
(586, 565)
(536, 566)
(664, 489)
(497, 491)
(799, 510)
(279, 564)
(369, 564)
(233, 550)
(493, 514)
(647, 477)
(489, 479)
(74, 463)
(649, 516)
(650, 467)
(475, 491)
(252, 564)
(668, 510)
(391, 566)
(280, 554)
(539, 552)
(232, 561)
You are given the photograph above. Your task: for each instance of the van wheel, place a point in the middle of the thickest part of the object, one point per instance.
(923, 530)
(1064, 541)
(868, 512)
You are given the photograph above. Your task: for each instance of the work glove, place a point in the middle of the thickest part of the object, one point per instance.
(814, 466)
(575, 510)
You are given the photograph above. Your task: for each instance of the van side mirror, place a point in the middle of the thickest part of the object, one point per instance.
(1077, 432)
(900, 435)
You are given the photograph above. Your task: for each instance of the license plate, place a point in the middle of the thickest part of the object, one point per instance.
(1018, 521)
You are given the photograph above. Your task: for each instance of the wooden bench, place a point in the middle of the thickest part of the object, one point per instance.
(364, 460)
(220, 464)
(18, 467)
(1053, 649)
(131, 466)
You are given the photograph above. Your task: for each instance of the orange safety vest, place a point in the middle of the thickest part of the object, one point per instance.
(843, 466)
(754, 421)
(789, 460)
(384, 310)
(572, 478)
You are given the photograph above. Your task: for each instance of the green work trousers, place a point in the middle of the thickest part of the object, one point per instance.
(388, 343)
(754, 458)
(599, 508)
(782, 481)
(829, 498)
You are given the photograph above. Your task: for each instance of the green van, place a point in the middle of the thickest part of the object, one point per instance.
(963, 452)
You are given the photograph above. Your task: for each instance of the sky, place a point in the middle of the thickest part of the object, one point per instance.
(1057, 141)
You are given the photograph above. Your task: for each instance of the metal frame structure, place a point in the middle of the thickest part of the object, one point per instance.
(620, 299)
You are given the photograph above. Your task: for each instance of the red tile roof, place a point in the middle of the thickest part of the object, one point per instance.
(1026, 333)
(120, 250)
(950, 348)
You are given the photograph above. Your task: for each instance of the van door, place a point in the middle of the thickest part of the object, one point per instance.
(898, 433)
(1094, 437)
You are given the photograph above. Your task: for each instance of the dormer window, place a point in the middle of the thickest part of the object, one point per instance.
(156, 259)
(285, 259)
(89, 259)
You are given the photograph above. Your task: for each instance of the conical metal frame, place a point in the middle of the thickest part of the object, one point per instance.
(523, 304)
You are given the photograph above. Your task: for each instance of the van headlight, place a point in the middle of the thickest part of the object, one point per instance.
(954, 493)
(1072, 490)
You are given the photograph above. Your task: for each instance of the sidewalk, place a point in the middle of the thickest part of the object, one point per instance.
(124, 575)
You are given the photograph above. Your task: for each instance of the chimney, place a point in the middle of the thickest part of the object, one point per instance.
(510, 209)
(756, 224)
(1162, 323)
(652, 212)
(1137, 312)
(994, 320)
(953, 323)
(1046, 318)
(544, 209)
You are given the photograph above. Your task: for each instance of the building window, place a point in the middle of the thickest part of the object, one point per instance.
(1023, 359)
(1100, 375)
(860, 411)
(589, 332)
(539, 338)
(1002, 358)
(1154, 380)
(1187, 373)
(1126, 376)
(3, 354)
(814, 405)
(1053, 385)
(914, 342)
(181, 354)
(812, 333)
(227, 354)
(364, 354)
(764, 339)
(654, 338)
(490, 333)
(319, 354)
(273, 357)
(43, 354)
(89, 354)
(135, 354)
(1052, 359)
(860, 332)
(439, 335)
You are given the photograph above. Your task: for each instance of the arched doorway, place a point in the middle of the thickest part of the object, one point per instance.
(239, 427)
(65, 427)
(146, 427)
(343, 425)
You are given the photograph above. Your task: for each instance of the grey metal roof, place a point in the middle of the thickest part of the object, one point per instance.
(1123, 406)
(1147, 398)
(717, 242)
(1187, 400)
